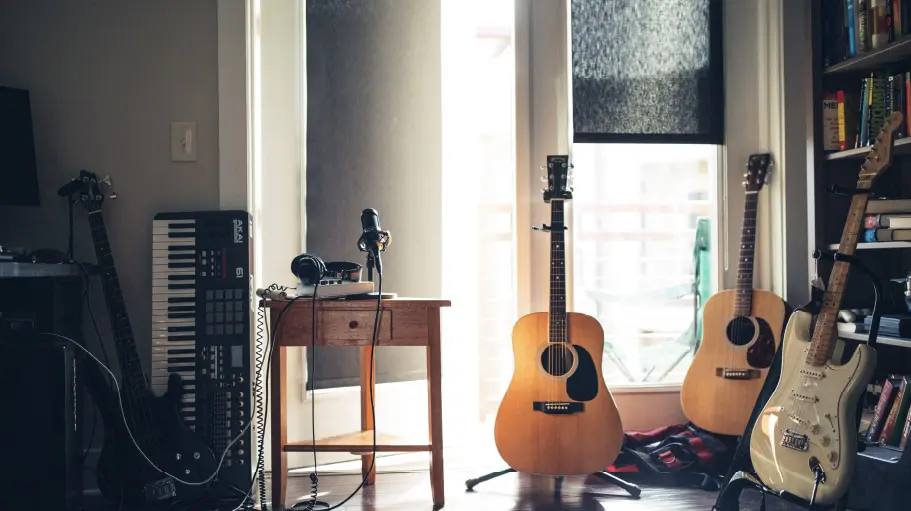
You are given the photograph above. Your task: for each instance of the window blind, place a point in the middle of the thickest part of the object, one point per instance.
(647, 71)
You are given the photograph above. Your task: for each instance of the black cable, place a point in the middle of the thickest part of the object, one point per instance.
(309, 505)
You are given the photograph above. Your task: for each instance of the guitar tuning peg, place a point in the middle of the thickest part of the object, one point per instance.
(106, 180)
(543, 179)
(744, 183)
(542, 167)
(112, 196)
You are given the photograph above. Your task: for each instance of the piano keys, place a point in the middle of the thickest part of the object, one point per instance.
(201, 324)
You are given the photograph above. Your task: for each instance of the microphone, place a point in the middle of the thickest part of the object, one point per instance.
(374, 240)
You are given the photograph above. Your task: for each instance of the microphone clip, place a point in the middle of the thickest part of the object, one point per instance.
(383, 241)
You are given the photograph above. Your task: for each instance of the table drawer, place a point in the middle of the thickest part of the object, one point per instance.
(348, 325)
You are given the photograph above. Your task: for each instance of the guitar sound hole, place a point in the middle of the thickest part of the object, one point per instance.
(741, 331)
(557, 359)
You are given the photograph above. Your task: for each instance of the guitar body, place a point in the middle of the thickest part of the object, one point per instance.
(583, 438)
(831, 431)
(730, 367)
(125, 476)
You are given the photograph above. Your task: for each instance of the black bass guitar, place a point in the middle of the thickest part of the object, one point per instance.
(125, 475)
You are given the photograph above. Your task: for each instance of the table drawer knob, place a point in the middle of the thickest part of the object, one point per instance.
(352, 325)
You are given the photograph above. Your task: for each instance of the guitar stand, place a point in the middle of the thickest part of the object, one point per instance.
(633, 490)
(740, 474)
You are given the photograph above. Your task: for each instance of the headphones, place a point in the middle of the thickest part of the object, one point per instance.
(311, 269)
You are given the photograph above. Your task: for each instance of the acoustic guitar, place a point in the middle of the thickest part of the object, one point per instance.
(740, 335)
(558, 417)
(804, 441)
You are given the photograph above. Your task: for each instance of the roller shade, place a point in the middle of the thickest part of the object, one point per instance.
(647, 71)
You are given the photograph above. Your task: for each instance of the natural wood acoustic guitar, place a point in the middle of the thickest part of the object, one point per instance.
(558, 417)
(740, 335)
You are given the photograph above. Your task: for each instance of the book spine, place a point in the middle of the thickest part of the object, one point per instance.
(897, 18)
(885, 398)
(906, 432)
(842, 127)
(850, 22)
(878, 24)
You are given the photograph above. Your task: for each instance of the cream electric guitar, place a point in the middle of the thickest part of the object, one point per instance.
(804, 441)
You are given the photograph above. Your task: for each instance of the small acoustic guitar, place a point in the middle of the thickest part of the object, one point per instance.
(558, 417)
(740, 334)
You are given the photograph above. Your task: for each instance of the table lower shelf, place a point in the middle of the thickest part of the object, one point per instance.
(360, 442)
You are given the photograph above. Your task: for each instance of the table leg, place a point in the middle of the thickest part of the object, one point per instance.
(368, 388)
(279, 427)
(435, 405)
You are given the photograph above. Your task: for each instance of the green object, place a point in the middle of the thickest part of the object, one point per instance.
(702, 281)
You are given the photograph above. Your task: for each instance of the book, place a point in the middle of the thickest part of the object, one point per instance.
(906, 432)
(883, 406)
(874, 235)
(887, 221)
(832, 122)
(877, 206)
(897, 414)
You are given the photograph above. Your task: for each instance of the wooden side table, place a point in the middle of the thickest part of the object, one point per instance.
(403, 322)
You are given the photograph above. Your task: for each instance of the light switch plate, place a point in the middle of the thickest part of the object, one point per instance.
(183, 141)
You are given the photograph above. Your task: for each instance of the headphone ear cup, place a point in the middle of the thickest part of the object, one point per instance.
(310, 269)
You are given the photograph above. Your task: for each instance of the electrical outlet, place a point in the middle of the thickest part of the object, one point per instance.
(183, 141)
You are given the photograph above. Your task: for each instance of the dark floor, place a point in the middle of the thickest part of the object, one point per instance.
(411, 492)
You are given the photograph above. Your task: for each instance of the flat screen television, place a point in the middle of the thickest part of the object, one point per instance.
(18, 168)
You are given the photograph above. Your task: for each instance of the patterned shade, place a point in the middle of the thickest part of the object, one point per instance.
(647, 71)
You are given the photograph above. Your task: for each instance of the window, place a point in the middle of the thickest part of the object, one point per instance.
(647, 72)
(636, 210)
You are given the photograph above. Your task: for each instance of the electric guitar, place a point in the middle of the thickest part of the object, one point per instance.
(804, 442)
(558, 417)
(125, 476)
(740, 335)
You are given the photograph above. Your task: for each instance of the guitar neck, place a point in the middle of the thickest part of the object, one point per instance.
(823, 342)
(743, 302)
(133, 379)
(557, 272)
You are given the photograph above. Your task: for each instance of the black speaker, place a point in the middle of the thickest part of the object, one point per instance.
(41, 430)
(40, 437)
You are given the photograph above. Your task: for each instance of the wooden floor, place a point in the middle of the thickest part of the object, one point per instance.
(511, 492)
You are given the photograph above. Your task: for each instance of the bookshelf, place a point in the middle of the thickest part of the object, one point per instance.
(881, 472)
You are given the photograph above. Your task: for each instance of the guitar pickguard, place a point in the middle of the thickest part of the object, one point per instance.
(582, 385)
(761, 354)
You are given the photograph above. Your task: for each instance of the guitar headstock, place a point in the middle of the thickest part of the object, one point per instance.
(880, 155)
(757, 174)
(558, 176)
(88, 188)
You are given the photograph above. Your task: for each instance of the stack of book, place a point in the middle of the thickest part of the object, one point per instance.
(887, 220)
(890, 425)
(852, 117)
(851, 27)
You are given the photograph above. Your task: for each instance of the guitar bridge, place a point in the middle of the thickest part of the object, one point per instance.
(737, 374)
(558, 407)
(796, 441)
(161, 489)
